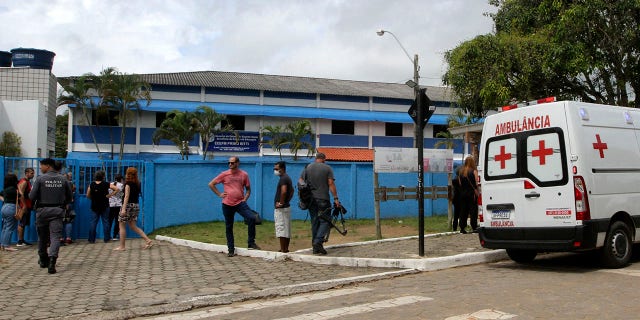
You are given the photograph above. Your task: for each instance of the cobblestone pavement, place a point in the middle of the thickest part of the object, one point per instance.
(95, 282)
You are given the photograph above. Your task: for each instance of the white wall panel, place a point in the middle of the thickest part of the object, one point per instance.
(232, 99)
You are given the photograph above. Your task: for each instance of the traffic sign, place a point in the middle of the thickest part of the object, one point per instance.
(425, 106)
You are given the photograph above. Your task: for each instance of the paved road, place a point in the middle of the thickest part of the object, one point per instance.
(558, 286)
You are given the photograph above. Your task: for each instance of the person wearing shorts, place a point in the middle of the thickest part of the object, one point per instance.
(282, 211)
(131, 209)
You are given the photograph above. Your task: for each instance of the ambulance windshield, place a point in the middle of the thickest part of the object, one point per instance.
(538, 155)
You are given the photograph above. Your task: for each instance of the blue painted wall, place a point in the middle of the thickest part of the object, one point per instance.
(182, 195)
(177, 192)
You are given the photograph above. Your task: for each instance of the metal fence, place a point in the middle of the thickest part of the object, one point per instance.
(83, 171)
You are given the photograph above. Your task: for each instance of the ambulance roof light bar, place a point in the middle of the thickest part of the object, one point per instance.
(529, 103)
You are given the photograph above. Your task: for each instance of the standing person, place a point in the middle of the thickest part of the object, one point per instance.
(9, 197)
(234, 199)
(469, 200)
(70, 213)
(282, 211)
(131, 209)
(320, 177)
(24, 205)
(97, 192)
(115, 204)
(50, 194)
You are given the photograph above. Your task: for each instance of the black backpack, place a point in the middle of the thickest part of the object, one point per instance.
(304, 192)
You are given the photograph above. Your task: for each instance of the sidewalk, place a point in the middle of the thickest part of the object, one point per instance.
(94, 282)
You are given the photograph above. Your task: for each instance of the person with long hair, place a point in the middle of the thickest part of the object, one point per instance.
(469, 195)
(97, 192)
(131, 209)
(9, 197)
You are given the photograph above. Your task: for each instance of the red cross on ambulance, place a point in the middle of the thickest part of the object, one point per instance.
(542, 152)
(502, 157)
(600, 146)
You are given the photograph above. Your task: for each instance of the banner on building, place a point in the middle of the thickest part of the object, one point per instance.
(399, 160)
(246, 141)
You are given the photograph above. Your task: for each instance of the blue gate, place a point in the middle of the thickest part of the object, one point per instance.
(83, 172)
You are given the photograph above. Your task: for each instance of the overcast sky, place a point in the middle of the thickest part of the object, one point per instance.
(311, 38)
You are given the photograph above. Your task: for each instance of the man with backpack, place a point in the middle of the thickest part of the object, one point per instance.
(319, 177)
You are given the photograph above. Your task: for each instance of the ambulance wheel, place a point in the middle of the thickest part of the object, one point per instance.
(616, 252)
(521, 256)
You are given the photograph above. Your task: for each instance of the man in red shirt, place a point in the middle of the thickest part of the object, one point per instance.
(234, 199)
(24, 205)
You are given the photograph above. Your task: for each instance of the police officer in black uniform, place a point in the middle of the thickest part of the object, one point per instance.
(50, 194)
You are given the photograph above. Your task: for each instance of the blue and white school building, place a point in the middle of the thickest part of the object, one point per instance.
(344, 114)
(349, 119)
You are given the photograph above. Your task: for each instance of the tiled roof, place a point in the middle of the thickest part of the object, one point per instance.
(348, 154)
(278, 83)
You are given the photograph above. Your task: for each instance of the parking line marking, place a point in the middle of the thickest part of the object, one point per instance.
(485, 314)
(361, 308)
(263, 304)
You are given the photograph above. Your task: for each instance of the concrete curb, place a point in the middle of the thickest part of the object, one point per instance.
(421, 264)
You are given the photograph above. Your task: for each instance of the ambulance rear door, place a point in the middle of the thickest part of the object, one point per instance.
(525, 171)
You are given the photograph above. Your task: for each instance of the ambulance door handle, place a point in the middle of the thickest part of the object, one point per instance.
(532, 195)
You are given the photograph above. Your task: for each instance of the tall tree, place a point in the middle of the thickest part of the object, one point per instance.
(207, 122)
(586, 50)
(124, 92)
(10, 144)
(275, 136)
(177, 128)
(297, 137)
(62, 132)
(79, 93)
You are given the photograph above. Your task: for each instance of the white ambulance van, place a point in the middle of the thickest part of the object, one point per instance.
(561, 176)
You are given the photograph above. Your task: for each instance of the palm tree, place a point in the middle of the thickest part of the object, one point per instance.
(297, 131)
(275, 136)
(448, 140)
(207, 122)
(177, 128)
(79, 93)
(123, 92)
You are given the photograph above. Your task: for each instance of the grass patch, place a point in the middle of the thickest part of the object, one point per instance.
(358, 230)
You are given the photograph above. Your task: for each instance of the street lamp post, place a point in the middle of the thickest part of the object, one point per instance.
(419, 143)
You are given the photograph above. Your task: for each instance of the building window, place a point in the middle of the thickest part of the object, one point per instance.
(237, 122)
(437, 128)
(342, 127)
(160, 116)
(393, 129)
(104, 117)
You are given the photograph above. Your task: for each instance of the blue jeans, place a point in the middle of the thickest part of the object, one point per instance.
(229, 214)
(93, 224)
(9, 223)
(67, 228)
(319, 227)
